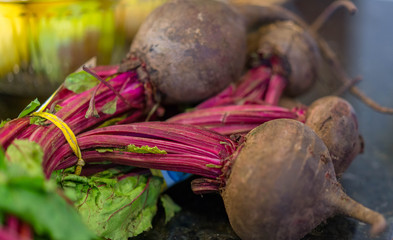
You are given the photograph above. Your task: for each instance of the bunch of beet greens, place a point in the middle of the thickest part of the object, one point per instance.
(104, 96)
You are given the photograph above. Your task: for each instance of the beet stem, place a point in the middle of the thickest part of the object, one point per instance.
(205, 185)
(276, 87)
(90, 71)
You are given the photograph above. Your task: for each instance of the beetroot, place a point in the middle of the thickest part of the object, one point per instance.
(192, 49)
(298, 190)
(334, 120)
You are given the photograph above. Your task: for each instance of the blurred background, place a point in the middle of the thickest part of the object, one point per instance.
(43, 41)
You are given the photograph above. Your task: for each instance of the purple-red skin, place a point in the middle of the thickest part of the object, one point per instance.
(191, 49)
(334, 120)
(282, 185)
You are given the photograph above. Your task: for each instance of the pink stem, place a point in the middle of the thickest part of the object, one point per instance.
(186, 163)
(7, 235)
(276, 87)
(13, 222)
(205, 185)
(251, 88)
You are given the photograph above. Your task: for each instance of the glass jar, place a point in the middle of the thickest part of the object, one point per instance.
(43, 41)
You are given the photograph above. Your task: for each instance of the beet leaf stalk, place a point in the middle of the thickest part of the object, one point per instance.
(250, 89)
(156, 145)
(236, 119)
(262, 84)
(116, 95)
(15, 229)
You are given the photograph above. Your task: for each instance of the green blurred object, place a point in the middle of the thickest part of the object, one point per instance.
(43, 41)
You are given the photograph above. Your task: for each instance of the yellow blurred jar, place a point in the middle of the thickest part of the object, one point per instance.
(42, 41)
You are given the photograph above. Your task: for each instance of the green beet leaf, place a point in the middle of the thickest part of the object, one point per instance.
(58, 107)
(23, 167)
(110, 107)
(170, 207)
(26, 194)
(3, 122)
(48, 213)
(29, 108)
(114, 209)
(79, 82)
(145, 149)
(26, 156)
(112, 121)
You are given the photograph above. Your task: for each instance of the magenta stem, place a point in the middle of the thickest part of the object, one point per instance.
(73, 113)
(93, 73)
(234, 119)
(205, 185)
(190, 135)
(13, 129)
(13, 222)
(251, 88)
(5, 234)
(186, 163)
(275, 89)
(188, 148)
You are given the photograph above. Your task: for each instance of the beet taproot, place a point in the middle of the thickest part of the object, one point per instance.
(282, 185)
(334, 120)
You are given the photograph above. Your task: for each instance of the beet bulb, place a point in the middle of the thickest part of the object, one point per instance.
(192, 48)
(282, 185)
(334, 120)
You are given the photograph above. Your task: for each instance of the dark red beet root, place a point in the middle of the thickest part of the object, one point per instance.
(334, 120)
(282, 185)
(192, 48)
